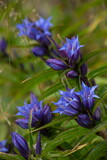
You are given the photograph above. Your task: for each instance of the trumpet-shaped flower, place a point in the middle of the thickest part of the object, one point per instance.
(88, 96)
(71, 48)
(36, 30)
(44, 25)
(40, 114)
(79, 104)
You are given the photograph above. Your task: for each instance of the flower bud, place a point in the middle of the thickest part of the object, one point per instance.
(23, 122)
(56, 64)
(72, 74)
(38, 51)
(84, 120)
(47, 114)
(83, 69)
(21, 144)
(97, 114)
(38, 144)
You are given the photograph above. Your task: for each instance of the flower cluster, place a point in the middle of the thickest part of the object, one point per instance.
(79, 104)
(64, 57)
(40, 115)
(39, 31)
(69, 55)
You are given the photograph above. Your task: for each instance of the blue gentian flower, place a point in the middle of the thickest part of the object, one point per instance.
(71, 48)
(44, 25)
(41, 115)
(88, 96)
(3, 146)
(69, 54)
(68, 104)
(21, 144)
(79, 104)
(36, 30)
(27, 28)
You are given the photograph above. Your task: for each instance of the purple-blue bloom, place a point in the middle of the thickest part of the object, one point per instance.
(56, 64)
(79, 104)
(36, 30)
(88, 96)
(68, 104)
(27, 28)
(21, 144)
(44, 25)
(3, 146)
(71, 48)
(41, 115)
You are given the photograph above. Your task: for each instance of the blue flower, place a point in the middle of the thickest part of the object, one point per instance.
(36, 30)
(56, 64)
(88, 96)
(79, 104)
(27, 28)
(21, 144)
(3, 146)
(68, 104)
(71, 48)
(40, 115)
(44, 25)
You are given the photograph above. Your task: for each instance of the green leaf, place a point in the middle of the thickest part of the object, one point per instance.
(56, 87)
(100, 100)
(92, 54)
(99, 127)
(98, 72)
(55, 121)
(6, 156)
(29, 83)
(67, 135)
(98, 151)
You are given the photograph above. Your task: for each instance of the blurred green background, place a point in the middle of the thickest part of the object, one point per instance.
(23, 73)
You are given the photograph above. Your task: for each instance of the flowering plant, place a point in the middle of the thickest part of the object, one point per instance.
(65, 116)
